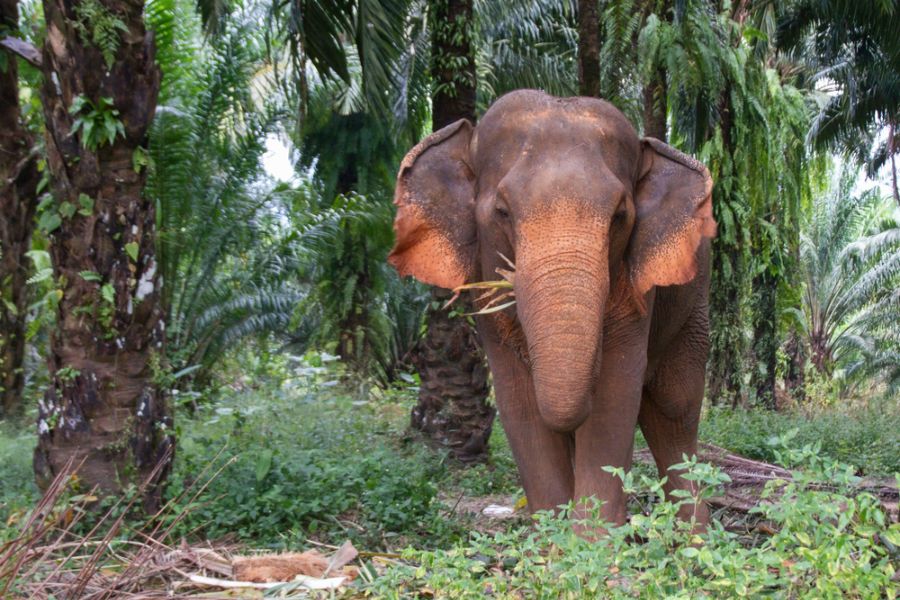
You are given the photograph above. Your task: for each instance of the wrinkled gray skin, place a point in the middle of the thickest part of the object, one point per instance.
(610, 237)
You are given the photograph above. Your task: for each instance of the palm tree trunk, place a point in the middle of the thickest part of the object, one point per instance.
(103, 406)
(654, 114)
(588, 49)
(18, 184)
(892, 151)
(655, 92)
(452, 407)
(795, 377)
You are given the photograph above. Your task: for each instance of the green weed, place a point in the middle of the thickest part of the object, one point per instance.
(827, 545)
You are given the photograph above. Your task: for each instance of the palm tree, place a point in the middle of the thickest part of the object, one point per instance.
(103, 407)
(18, 186)
(853, 48)
(851, 270)
(349, 294)
(525, 44)
(223, 251)
(452, 406)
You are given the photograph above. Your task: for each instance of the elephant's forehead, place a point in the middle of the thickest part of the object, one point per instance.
(554, 130)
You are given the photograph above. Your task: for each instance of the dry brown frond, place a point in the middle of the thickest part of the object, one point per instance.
(496, 291)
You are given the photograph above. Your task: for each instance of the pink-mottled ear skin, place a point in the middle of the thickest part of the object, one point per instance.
(673, 202)
(435, 197)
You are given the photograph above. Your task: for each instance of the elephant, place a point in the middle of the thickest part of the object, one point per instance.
(610, 236)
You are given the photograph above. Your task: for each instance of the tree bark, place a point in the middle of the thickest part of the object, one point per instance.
(103, 406)
(588, 49)
(452, 408)
(18, 184)
(654, 113)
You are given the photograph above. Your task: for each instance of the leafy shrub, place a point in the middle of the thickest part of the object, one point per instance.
(827, 544)
(306, 459)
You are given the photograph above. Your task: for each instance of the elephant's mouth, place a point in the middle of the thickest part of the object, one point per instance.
(497, 298)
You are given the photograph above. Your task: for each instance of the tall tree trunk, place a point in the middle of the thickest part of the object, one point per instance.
(103, 406)
(725, 371)
(795, 377)
(655, 92)
(892, 152)
(452, 407)
(18, 184)
(654, 113)
(588, 48)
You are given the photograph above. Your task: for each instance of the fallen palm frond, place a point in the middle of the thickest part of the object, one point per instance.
(51, 557)
(496, 291)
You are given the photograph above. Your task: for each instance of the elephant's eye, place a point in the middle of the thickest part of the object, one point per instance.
(621, 213)
(501, 211)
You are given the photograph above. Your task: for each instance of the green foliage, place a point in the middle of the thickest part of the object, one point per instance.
(18, 491)
(353, 297)
(526, 45)
(858, 65)
(305, 460)
(449, 71)
(827, 545)
(851, 267)
(865, 438)
(359, 46)
(100, 27)
(46, 294)
(96, 123)
(223, 250)
(620, 81)
(732, 103)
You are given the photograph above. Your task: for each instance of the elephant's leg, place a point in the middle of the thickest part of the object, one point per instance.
(607, 436)
(670, 410)
(542, 455)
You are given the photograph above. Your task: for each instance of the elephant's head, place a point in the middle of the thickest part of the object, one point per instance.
(567, 190)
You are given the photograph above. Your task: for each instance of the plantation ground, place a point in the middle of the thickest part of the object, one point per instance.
(294, 455)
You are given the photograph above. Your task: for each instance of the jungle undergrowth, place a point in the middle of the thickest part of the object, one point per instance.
(313, 454)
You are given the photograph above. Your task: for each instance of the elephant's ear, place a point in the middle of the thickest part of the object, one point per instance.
(435, 199)
(673, 204)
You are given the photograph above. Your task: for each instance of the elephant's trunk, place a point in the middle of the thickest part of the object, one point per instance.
(562, 282)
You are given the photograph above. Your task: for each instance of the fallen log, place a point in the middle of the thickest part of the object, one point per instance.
(749, 476)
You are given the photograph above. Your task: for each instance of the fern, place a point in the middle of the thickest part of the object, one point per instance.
(99, 27)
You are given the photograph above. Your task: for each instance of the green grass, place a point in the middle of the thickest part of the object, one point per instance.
(17, 489)
(868, 439)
